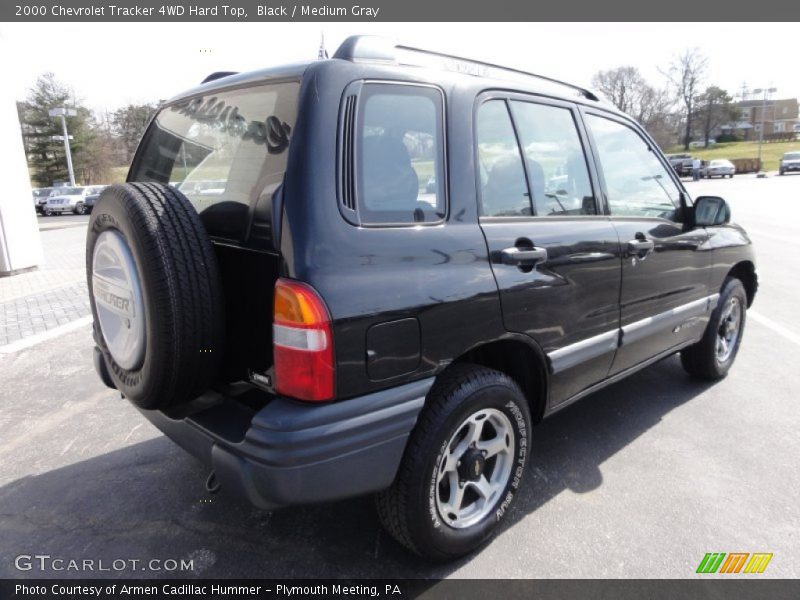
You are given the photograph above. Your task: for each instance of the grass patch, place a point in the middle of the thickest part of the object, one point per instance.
(771, 152)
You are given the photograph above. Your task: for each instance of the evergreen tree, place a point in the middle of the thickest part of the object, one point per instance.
(46, 158)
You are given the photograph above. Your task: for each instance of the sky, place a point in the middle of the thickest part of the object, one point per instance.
(112, 64)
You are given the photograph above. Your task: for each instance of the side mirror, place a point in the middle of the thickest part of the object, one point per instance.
(710, 211)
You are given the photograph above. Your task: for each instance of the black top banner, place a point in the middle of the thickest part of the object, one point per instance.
(395, 11)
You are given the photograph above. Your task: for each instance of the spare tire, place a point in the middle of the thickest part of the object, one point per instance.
(156, 294)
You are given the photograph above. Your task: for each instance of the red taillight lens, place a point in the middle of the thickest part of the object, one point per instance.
(302, 343)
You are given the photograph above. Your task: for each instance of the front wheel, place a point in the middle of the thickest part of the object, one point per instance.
(712, 357)
(80, 208)
(463, 464)
(47, 212)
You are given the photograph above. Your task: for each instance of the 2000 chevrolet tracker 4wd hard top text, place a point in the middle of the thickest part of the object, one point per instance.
(375, 273)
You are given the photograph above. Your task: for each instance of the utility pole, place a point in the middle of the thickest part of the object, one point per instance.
(64, 112)
(766, 92)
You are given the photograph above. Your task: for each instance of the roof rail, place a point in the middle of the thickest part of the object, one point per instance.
(218, 75)
(369, 48)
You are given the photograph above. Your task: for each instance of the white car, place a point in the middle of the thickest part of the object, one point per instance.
(67, 199)
(719, 168)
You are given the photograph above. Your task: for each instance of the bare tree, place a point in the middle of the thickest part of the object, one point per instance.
(686, 74)
(628, 90)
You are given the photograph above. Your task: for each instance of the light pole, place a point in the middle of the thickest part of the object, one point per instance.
(64, 113)
(766, 92)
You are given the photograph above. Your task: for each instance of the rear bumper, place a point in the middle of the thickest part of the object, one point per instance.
(290, 453)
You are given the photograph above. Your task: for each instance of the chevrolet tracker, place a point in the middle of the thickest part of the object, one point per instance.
(375, 274)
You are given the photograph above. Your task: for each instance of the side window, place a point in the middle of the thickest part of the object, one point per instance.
(637, 182)
(400, 155)
(504, 191)
(555, 160)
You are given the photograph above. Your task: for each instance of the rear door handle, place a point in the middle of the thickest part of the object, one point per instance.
(525, 256)
(640, 247)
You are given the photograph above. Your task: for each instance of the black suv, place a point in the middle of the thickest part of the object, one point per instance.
(375, 273)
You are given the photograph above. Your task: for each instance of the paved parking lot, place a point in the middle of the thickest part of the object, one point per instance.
(639, 480)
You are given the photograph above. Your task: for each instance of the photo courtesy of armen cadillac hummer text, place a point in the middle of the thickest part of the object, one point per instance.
(376, 273)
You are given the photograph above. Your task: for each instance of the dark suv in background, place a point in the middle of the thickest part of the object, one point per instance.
(790, 161)
(405, 262)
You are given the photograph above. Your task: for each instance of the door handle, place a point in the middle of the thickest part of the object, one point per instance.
(640, 246)
(525, 256)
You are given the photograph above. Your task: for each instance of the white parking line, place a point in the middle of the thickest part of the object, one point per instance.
(38, 338)
(776, 327)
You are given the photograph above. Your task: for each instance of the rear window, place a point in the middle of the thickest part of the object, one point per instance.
(223, 150)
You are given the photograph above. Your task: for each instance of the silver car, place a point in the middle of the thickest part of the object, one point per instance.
(67, 199)
(719, 168)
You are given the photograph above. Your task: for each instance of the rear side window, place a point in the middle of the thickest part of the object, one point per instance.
(504, 191)
(222, 150)
(399, 155)
(555, 160)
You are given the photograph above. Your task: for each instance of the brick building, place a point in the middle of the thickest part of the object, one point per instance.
(780, 118)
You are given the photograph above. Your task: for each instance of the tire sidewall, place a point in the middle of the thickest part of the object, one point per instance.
(432, 531)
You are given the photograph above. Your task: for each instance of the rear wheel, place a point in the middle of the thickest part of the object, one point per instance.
(462, 467)
(47, 212)
(712, 357)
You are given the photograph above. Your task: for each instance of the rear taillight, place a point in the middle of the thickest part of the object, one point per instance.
(302, 343)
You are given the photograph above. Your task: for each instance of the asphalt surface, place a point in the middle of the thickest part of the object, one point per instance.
(639, 480)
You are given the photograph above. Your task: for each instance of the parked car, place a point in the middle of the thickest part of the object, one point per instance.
(790, 161)
(40, 196)
(317, 332)
(67, 200)
(681, 163)
(718, 168)
(91, 197)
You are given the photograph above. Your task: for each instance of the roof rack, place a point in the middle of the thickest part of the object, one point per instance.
(369, 48)
(218, 75)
